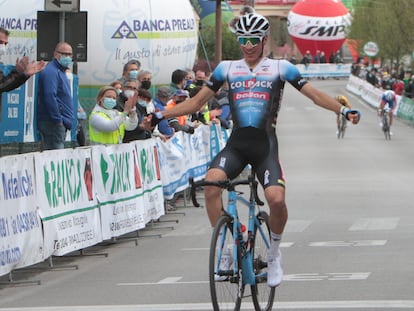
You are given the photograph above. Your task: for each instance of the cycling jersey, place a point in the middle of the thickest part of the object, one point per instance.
(255, 97)
(391, 103)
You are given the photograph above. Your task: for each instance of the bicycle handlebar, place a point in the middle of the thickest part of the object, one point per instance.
(229, 185)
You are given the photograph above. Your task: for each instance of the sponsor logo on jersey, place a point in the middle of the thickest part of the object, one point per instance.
(249, 95)
(249, 84)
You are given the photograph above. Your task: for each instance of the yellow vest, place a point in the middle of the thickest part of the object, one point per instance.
(107, 138)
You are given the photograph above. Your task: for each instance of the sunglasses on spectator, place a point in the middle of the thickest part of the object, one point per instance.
(4, 42)
(252, 40)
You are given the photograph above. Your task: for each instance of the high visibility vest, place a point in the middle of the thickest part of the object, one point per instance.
(107, 138)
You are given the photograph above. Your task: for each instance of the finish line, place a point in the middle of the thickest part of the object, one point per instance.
(303, 305)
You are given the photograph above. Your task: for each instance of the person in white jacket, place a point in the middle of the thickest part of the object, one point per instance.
(106, 124)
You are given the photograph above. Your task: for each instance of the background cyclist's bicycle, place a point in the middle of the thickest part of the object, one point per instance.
(238, 258)
(386, 124)
(342, 123)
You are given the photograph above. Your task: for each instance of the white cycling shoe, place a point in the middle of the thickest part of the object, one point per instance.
(274, 269)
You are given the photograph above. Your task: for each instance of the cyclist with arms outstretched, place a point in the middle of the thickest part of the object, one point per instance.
(255, 92)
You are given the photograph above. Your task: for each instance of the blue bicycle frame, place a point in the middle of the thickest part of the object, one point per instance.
(248, 275)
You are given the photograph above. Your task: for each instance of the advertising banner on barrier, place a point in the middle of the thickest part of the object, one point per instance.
(21, 239)
(183, 156)
(119, 189)
(68, 208)
(147, 169)
(17, 111)
(173, 164)
(406, 109)
(198, 150)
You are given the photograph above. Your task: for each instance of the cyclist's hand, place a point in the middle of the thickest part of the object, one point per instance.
(155, 118)
(352, 115)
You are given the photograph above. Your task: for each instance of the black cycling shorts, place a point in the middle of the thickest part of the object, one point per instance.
(252, 146)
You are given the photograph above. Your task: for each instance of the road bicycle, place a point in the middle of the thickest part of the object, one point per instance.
(246, 250)
(342, 122)
(386, 124)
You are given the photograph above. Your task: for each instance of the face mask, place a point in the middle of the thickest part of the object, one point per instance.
(142, 103)
(133, 74)
(109, 103)
(2, 49)
(118, 91)
(129, 93)
(146, 84)
(65, 61)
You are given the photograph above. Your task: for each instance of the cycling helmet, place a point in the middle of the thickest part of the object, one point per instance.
(389, 95)
(250, 24)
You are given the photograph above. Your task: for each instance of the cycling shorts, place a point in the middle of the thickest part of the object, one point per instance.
(252, 146)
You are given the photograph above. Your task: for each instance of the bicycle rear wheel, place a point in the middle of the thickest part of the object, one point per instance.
(226, 288)
(262, 294)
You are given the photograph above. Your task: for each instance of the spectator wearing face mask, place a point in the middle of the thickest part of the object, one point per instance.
(145, 77)
(108, 125)
(129, 87)
(55, 108)
(179, 123)
(130, 70)
(143, 130)
(160, 101)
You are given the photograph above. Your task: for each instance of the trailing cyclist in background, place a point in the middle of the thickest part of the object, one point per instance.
(389, 99)
(341, 121)
(255, 93)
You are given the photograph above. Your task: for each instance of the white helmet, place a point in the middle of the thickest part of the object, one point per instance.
(389, 95)
(250, 24)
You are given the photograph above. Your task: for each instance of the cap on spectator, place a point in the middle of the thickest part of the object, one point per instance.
(163, 91)
(181, 92)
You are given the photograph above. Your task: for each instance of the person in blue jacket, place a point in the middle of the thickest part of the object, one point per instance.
(55, 108)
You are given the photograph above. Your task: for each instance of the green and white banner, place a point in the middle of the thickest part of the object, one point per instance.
(119, 189)
(67, 206)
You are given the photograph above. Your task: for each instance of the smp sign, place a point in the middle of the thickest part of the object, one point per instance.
(371, 49)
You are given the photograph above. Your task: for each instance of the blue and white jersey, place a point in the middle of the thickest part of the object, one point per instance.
(255, 95)
(389, 98)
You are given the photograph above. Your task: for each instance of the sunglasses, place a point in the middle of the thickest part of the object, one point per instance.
(253, 40)
(4, 42)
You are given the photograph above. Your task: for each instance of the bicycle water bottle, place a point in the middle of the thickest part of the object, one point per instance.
(244, 232)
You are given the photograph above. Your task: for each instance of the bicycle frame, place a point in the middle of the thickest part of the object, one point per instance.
(246, 247)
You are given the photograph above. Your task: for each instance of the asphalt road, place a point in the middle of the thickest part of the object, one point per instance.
(347, 245)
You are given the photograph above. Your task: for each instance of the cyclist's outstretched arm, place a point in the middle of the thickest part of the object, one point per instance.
(325, 101)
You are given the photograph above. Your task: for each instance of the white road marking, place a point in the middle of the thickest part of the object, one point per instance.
(285, 305)
(170, 280)
(349, 243)
(351, 276)
(363, 224)
(334, 276)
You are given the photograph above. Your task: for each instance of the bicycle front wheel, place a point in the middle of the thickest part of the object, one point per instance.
(386, 128)
(226, 287)
(262, 294)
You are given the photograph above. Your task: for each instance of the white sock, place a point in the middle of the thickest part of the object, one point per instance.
(274, 243)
